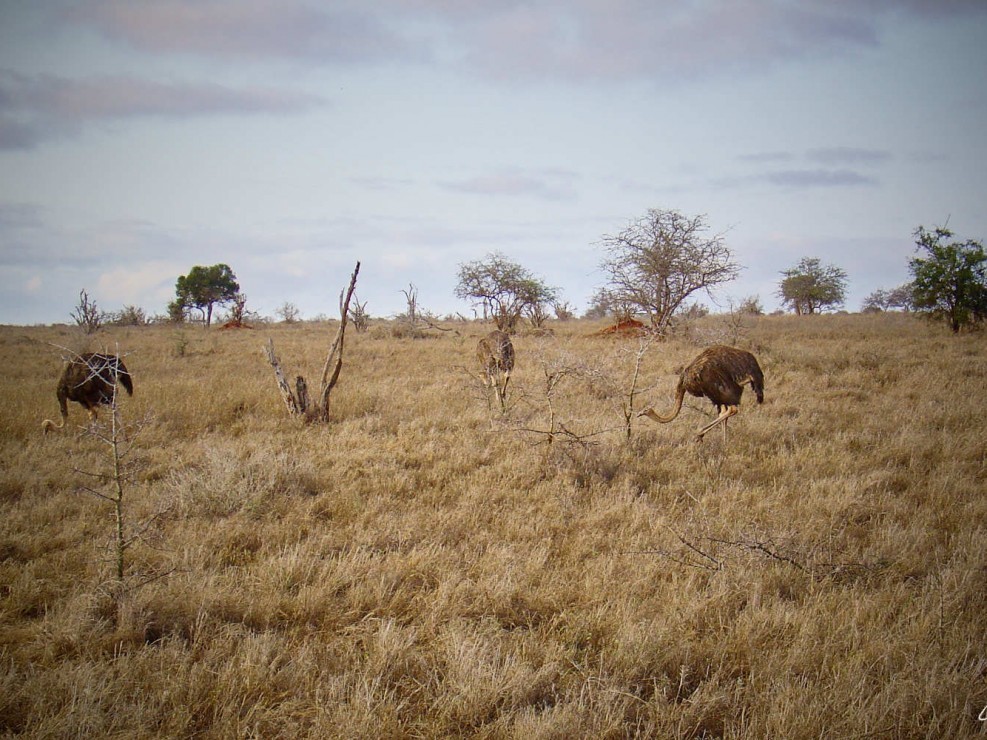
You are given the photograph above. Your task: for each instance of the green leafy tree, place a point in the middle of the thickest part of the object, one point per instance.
(811, 286)
(950, 282)
(660, 260)
(203, 288)
(177, 311)
(504, 289)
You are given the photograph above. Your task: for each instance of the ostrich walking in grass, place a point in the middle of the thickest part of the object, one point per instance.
(495, 353)
(719, 373)
(89, 380)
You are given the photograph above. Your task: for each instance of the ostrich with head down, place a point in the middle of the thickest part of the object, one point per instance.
(719, 373)
(90, 380)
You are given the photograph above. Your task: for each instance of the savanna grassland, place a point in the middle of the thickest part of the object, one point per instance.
(426, 566)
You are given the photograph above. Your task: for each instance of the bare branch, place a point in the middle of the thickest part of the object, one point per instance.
(657, 262)
(335, 356)
(696, 549)
(299, 401)
(765, 547)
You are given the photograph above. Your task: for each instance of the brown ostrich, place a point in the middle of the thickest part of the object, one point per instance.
(719, 373)
(89, 380)
(495, 353)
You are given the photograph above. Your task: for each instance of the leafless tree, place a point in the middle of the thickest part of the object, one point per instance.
(537, 314)
(238, 310)
(411, 297)
(660, 260)
(288, 312)
(87, 315)
(415, 320)
(563, 310)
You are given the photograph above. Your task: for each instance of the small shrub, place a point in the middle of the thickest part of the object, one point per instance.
(751, 305)
(359, 316)
(129, 316)
(288, 312)
(87, 315)
(180, 344)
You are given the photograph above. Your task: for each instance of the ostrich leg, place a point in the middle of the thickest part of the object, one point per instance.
(721, 419)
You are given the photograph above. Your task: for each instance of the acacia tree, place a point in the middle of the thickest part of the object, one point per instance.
(202, 288)
(902, 297)
(811, 286)
(504, 289)
(288, 312)
(951, 281)
(660, 260)
(899, 298)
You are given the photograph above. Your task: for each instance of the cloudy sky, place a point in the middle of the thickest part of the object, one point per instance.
(289, 139)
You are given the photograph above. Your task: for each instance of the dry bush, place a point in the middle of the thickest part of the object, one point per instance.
(418, 567)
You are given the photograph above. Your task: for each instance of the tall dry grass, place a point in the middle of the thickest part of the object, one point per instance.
(425, 566)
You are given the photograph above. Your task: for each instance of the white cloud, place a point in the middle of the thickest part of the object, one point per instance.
(258, 29)
(35, 108)
(818, 178)
(548, 185)
(848, 155)
(557, 39)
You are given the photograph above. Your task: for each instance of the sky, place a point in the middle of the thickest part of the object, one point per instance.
(289, 139)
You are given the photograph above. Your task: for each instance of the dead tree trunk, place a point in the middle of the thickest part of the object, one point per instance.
(289, 398)
(298, 402)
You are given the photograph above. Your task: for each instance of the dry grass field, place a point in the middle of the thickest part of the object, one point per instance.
(426, 566)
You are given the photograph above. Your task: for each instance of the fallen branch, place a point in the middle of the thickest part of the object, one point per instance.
(766, 548)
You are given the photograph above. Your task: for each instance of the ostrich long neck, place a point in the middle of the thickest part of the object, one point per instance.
(47, 425)
(679, 395)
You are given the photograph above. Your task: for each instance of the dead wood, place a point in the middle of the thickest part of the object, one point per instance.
(299, 401)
